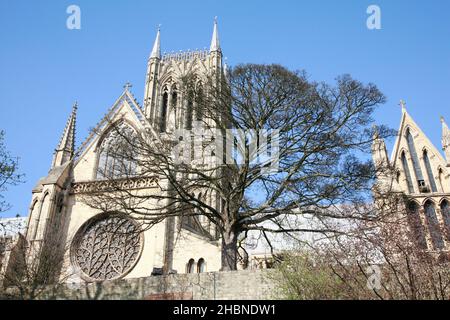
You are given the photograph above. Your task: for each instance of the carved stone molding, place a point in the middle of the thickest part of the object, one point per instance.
(111, 185)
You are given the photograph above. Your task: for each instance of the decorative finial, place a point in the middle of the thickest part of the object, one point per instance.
(402, 104)
(215, 19)
(442, 119)
(159, 27)
(127, 86)
(75, 106)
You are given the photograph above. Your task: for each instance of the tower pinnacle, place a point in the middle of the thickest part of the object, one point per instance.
(215, 44)
(156, 51)
(379, 152)
(66, 147)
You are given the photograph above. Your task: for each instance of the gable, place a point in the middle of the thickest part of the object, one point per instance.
(421, 141)
(124, 109)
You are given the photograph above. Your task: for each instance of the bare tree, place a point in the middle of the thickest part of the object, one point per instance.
(8, 172)
(33, 270)
(272, 145)
(378, 259)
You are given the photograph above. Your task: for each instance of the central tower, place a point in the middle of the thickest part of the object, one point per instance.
(166, 106)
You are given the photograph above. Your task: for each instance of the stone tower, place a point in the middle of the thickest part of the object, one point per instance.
(165, 105)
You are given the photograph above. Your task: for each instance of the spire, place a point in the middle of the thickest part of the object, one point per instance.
(215, 45)
(156, 51)
(66, 147)
(446, 140)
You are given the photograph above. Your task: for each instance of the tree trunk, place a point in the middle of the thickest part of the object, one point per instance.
(229, 250)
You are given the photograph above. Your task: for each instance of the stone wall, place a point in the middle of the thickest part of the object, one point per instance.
(247, 284)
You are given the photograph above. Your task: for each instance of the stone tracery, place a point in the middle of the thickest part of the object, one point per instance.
(108, 247)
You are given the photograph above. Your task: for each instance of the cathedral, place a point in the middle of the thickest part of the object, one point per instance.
(423, 175)
(91, 243)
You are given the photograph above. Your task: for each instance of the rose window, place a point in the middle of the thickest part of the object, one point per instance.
(107, 247)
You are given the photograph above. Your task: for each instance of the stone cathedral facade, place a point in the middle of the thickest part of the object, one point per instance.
(95, 251)
(423, 174)
(97, 246)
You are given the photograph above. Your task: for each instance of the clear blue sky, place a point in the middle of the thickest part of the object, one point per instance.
(44, 67)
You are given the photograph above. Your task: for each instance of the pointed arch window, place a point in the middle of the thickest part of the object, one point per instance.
(163, 118)
(430, 175)
(189, 110)
(173, 107)
(407, 173)
(445, 211)
(41, 221)
(174, 97)
(117, 157)
(433, 226)
(33, 219)
(415, 159)
(416, 225)
(199, 103)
